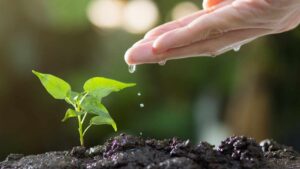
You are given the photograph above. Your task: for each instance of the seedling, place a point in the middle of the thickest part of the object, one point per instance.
(85, 103)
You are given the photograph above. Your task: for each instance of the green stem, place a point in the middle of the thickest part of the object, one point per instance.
(84, 116)
(83, 97)
(69, 101)
(86, 129)
(80, 131)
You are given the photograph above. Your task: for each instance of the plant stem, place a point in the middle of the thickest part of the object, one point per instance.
(80, 131)
(86, 129)
(84, 116)
(83, 97)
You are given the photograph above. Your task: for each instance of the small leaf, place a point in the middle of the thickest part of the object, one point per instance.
(99, 120)
(55, 86)
(93, 105)
(101, 87)
(69, 114)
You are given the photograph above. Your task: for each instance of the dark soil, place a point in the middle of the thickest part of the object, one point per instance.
(130, 152)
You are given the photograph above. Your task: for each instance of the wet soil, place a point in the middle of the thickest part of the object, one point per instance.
(131, 152)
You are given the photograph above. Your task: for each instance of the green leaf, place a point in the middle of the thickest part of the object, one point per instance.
(101, 87)
(55, 86)
(93, 105)
(99, 120)
(69, 114)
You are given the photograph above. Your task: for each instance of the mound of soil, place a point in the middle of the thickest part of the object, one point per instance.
(131, 152)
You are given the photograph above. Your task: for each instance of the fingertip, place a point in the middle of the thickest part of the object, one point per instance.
(128, 56)
(140, 54)
(154, 50)
(158, 45)
(168, 40)
(149, 35)
(135, 54)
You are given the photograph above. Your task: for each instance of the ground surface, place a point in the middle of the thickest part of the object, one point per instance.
(130, 152)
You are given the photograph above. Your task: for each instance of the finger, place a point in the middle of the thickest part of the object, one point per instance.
(143, 53)
(183, 21)
(154, 33)
(207, 26)
(144, 41)
(140, 53)
(214, 47)
(173, 25)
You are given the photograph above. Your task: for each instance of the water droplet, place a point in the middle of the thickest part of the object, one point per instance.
(142, 105)
(237, 48)
(141, 133)
(162, 63)
(139, 93)
(132, 68)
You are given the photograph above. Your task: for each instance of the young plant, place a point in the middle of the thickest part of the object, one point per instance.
(85, 103)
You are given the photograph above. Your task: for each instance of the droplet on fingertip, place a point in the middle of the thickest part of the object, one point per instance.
(237, 48)
(162, 63)
(131, 68)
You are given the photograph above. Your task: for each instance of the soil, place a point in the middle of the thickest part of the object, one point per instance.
(131, 152)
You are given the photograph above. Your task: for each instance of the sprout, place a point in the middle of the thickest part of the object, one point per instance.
(85, 103)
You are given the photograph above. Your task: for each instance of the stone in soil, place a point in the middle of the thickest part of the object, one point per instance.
(131, 152)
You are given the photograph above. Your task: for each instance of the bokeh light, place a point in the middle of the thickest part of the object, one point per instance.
(183, 9)
(106, 13)
(140, 16)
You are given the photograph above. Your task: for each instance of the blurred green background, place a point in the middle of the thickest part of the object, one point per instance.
(253, 92)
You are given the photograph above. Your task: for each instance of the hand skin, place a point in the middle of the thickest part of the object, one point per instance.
(220, 27)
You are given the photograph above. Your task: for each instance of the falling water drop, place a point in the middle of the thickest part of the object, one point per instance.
(131, 68)
(142, 105)
(139, 93)
(141, 133)
(236, 48)
(162, 63)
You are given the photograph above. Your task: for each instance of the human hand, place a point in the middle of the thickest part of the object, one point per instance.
(220, 27)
